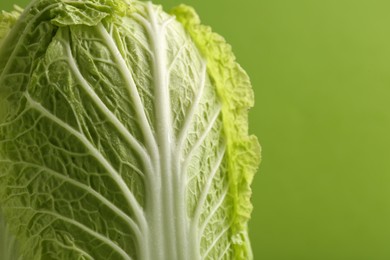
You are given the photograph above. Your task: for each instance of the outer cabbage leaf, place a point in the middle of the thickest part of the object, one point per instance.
(123, 134)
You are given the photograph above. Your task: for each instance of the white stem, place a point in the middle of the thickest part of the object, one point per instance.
(164, 133)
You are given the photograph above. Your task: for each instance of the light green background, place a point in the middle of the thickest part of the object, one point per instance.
(321, 74)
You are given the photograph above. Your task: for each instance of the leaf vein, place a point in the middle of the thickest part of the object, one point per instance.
(132, 90)
(215, 242)
(82, 186)
(214, 209)
(104, 109)
(88, 230)
(207, 186)
(133, 203)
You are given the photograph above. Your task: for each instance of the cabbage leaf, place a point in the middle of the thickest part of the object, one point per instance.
(123, 134)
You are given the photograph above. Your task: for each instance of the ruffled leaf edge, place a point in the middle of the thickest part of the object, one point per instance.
(236, 94)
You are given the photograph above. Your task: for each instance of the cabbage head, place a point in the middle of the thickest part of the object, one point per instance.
(123, 135)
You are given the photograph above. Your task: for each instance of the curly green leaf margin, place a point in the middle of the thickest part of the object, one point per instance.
(235, 90)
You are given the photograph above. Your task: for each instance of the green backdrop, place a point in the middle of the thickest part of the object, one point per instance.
(321, 74)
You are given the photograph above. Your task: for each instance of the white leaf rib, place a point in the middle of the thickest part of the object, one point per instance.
(132, 91)
(132, 36)
(133, 142)
(134, 168)
(201, 139)
(215, 242)
(137, 65)
(133, 203)
(84, 187)
(61, 149)
(145, 23)
(224, 251)
(164, 137)
(206, 188)
(214, 209)
(168, 21)
(88, 230)
(191, 113)
(177, 55)
(72, 248)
